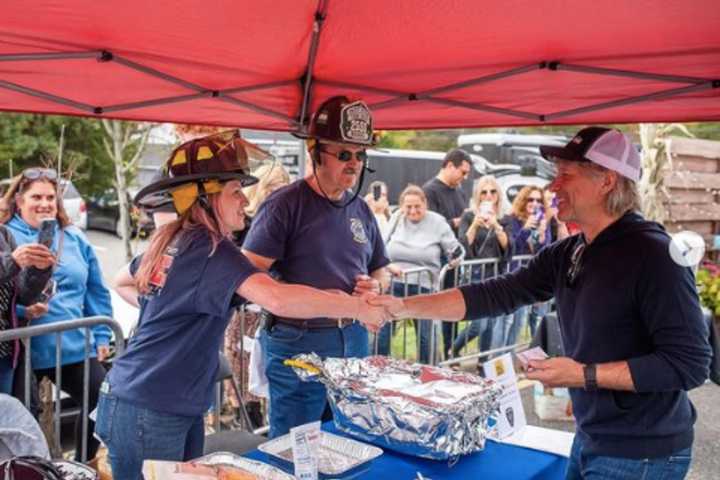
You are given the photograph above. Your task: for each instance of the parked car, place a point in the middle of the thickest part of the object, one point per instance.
(72, 201)
(104, 214)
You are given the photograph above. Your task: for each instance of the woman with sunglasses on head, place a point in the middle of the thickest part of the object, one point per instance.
(186, 284)
(484, 237)
(76, 291)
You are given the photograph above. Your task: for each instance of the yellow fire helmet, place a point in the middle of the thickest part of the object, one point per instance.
(200, 166)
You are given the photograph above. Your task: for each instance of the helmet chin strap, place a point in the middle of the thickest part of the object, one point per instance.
(204, 202)
(314, 155)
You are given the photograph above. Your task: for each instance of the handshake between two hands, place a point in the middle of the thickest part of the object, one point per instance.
(377, 309)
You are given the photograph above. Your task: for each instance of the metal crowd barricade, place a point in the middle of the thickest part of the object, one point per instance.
(420, 276)
(463, 275)
(242, 382)
(25, 334)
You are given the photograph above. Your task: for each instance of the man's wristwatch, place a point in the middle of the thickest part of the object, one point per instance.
(590, 373)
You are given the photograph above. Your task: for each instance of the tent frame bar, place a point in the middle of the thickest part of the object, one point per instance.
(21, 57)
(84, 107)
(107, 56)
(613, 72)
(308, 82)
(631, 100)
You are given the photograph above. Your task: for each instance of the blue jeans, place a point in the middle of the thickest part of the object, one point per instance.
(423, 330)
(513, 325)
(583, 466)
(294, 402)
(479, 327)
(7, 373)
(133, 434)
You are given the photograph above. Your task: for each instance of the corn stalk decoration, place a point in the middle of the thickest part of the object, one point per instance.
(656, 163)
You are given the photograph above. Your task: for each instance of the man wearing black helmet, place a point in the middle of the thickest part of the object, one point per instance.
(315, 232)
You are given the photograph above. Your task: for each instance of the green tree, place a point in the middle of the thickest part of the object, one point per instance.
(30, 140)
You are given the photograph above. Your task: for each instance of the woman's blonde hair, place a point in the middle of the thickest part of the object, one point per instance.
(20, 185)
(519, 205)
(195, 218)
(412, 189)
(257, 193)
(477, 188)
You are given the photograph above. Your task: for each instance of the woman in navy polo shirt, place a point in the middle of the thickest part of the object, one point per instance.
(192, 275)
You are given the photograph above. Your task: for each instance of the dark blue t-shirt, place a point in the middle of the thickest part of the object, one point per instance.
(170, 364)
(315, 243)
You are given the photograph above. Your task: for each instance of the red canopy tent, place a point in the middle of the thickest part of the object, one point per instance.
(418, 63)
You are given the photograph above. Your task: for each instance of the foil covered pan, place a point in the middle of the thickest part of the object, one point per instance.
(337, 457)
(419, 410)
(75, 471)
(261, 470)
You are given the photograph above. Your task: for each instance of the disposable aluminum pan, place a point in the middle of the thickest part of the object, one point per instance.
(75, 471)
(338, 456)
(262, 470)
(418, 410)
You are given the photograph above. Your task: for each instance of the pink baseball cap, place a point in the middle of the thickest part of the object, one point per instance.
(606, 147)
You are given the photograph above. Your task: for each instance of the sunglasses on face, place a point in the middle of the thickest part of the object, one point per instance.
(488, 192)
(35, 173)
(534, 200)
(346, 155)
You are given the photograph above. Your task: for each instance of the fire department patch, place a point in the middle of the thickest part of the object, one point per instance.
(159, 273)
(356, 123)
(358, 230)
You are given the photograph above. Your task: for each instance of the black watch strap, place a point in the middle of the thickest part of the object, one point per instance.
(590, 372)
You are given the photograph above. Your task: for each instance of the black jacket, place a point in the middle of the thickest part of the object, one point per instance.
(629, 302)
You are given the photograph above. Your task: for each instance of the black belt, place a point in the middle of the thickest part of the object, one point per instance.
(308, 324)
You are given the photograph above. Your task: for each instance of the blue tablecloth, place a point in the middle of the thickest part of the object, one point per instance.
(496, 461)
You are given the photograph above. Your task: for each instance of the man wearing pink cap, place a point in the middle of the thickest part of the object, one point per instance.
(633, 333)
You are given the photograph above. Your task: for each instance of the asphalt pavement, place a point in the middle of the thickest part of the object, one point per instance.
(706, 450)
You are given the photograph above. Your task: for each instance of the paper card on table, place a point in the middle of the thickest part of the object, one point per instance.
(558, 442)
(512, 415)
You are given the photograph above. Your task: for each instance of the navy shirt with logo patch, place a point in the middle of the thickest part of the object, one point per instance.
(315, 243)
(170, 363)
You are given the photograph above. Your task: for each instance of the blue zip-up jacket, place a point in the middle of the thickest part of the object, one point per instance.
(81, 292)
(629, 302)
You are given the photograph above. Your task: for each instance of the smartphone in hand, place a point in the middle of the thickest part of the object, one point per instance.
(377, 192)
(47, 232)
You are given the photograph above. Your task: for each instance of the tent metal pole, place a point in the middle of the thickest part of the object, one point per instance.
(21, 57)
(261, 86)
(626, 73)
(486, 108)
(156, 73)
(480, 80)
(153, 103)
(47, 96)
(320, 14)
(428, 94)
(362, 88)
(194, 96)
(631, 100)
(257, 108)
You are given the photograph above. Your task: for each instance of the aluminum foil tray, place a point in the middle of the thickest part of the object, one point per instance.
(262, 470)
(75, 471)
(418, 410)
(339, 456)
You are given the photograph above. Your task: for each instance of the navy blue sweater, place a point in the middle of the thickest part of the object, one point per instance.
(630, 302)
